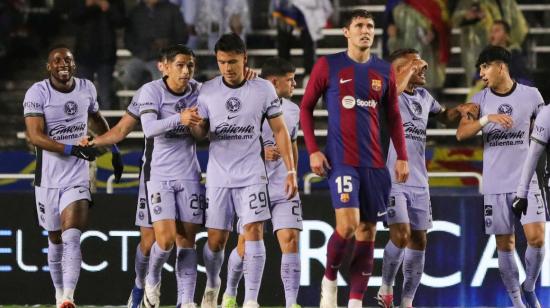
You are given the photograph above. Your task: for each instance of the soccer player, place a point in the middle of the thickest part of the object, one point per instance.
(540, 137)
(286, 215)
(360, 93)
(506, 110)
(56, 113)
(172, 174)
(409, 212)
(233, 110)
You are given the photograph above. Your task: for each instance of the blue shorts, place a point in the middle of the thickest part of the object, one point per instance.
(360, 187)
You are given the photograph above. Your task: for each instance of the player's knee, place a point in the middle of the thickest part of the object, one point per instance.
(185, 242)
(418, 240)
(401, 239)
(55, 237)
(253, 231)
(166, 241)
(536, 242)
(347, 230)
(288, 240)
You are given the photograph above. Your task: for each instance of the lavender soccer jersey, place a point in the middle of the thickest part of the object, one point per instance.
(541, 131)
(66, 121)
(415, 110)
(236, 116)
(172, 155)
(276, 170)
(133, 107)
(504, 148)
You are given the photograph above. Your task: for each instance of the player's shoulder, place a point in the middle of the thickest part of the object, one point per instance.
(210, 84)
(42, 86)
(195, 85)
(260, 82)
(525, 89)
(480, 96)
(153, 87)
(289, 105)
(544, 113)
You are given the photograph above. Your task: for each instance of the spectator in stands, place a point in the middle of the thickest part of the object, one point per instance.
(95, 51)
(188, 10)
(11, 19)
(152, 25)
(424, 25)
(475, 18)
(309, 17)
(218, 17)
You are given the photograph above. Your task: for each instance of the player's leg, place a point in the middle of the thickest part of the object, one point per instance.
(344, 189)
(219, 221)
(420, 215)
(251, 205)
(190, 202)
(141, 264)
(499, 220)
(162, 208)
(534, 228)
(74, 205)
(397, 218)
(234, 272)
(47, 208)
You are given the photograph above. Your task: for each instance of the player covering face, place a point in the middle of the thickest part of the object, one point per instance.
(506, 111)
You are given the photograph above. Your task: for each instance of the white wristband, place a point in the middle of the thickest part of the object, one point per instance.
(484, 120)
(291, 172)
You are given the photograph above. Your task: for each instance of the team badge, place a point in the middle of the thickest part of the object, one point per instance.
(233, 104)
(488, 222)
(157, 210)
(391, 213)
(141, 216)
(417, 108)
(142, 203)
(348, 101)
(505, 109)
(71, 108)
(376, 84)
(179, 106)
(155, 198)
(344, 197)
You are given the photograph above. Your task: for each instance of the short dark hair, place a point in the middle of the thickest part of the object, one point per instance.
(169, 53)
(355, 14)
(399, 53)
(277, 67)
(504, 25)
(55, 47)
(230, 42)
(494, 53)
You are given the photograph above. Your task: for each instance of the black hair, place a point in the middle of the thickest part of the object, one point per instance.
(55, 47)
(399, 53)
(356, 14)
(494, 53)
(169, 53)
(277, 67)
(504, 25)
(230, 42)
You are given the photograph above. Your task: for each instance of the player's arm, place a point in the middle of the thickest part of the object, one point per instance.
(35, 131)
(316, 86)
(397, 133)
(116, 134)
(295, 154)
(282, 139)
(97, 123)
(452, 116)
(470, 124)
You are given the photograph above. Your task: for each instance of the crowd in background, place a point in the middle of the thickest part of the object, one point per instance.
(148, 25)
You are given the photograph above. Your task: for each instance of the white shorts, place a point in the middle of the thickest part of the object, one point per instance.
(498, 215)
(250, 203)
(50, 203)
(176, 200)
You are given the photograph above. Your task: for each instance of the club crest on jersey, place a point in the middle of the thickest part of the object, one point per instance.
(179, 106)
(71, 108)
(417, 108)
(233, 104)
(344, 197)
(505, 109)
(348, 101)
(376, 85)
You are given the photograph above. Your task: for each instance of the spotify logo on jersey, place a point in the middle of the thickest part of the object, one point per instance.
(348, 102)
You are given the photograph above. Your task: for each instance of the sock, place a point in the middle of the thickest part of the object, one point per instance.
(213, 264)
(355, 303)
(234, 272)
(55, 255)
(533, 265)
(360, 269)
(186, 274)
(393, 256)
(290, 275)
(253, 269)
(71, 261)
(141, 265)
(336, 249)
(156, 261)
(413, 267)
(510, 276)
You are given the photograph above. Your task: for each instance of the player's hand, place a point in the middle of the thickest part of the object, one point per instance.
(503, 119)
(86, 153)
(249, 73)
(190, 116)
(468, 110)
(319, 163)
(272, 153)
(291, 185)
(401, 171)
(86, 141)
(118, 165)
(519, 205)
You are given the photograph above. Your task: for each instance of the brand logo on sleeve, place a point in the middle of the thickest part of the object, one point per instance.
(71, 108)
(233, 104)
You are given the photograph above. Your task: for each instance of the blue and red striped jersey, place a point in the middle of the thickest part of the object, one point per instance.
(363, 112)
